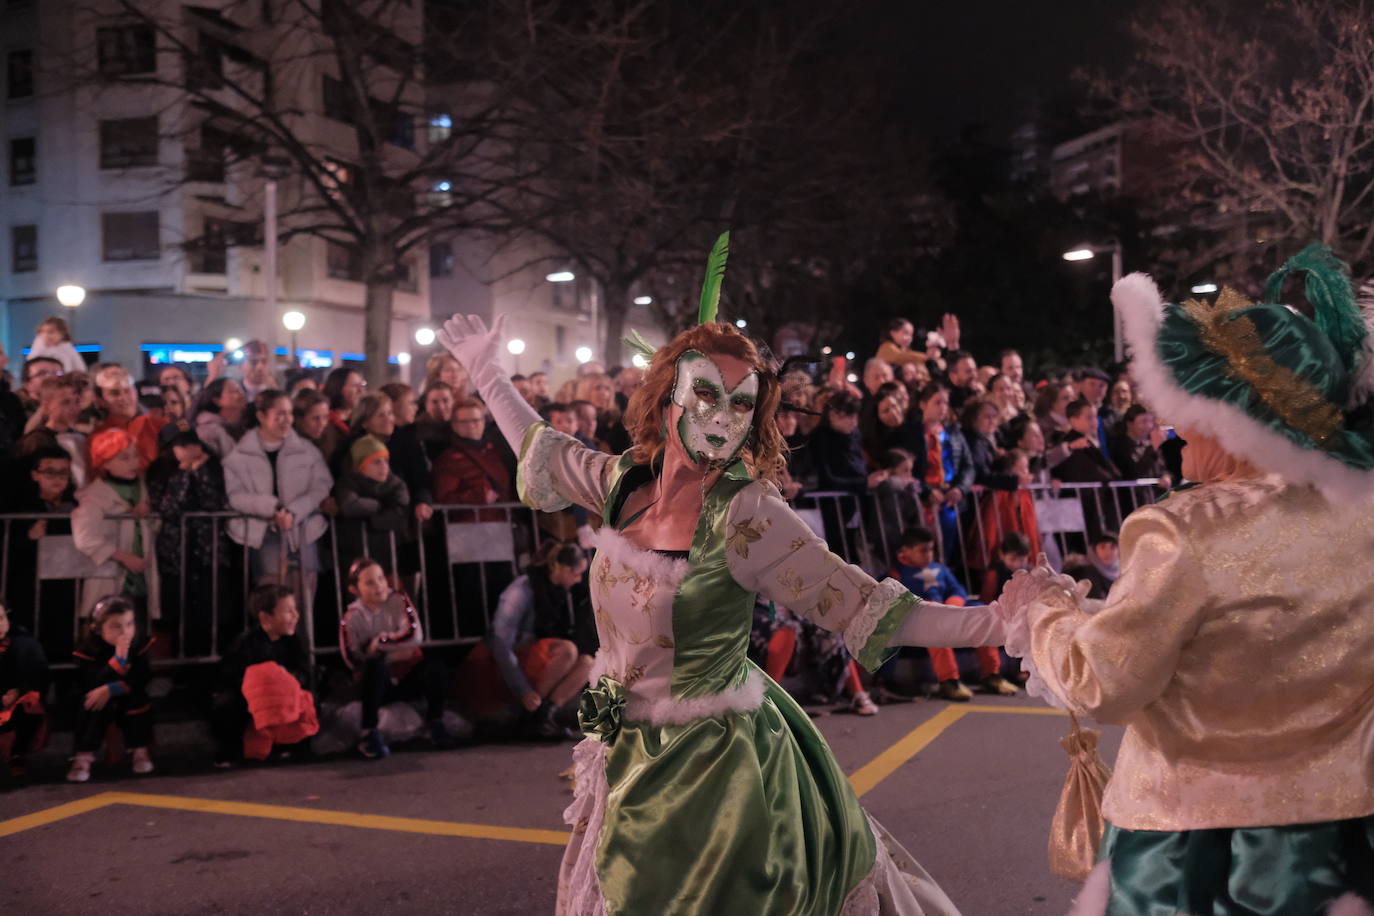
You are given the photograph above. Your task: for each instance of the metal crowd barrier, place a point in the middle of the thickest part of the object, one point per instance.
(42, 584)
(455, 566)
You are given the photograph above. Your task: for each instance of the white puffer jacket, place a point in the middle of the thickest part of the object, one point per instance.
(303, 482)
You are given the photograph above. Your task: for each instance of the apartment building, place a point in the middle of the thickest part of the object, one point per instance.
(113, 178)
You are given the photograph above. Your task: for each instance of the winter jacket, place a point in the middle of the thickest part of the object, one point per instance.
(370, 511)
(252, 647)
(175, 492)
(396, 625)
(98, 536)
(465, 471)
(63, 351)
(23, 666)
(839, 461)
(302, 479)
(283, 712)
(215, 433)
(96, 664)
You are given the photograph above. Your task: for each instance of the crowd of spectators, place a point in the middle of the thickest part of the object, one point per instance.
(166, 518)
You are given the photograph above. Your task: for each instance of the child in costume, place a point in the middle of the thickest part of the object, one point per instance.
(702, 788)
(112, 674)
(1237, 647)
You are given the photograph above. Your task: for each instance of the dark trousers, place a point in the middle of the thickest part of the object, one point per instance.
(425, 679)
(26, 727)
(229, 719)
(136, 723)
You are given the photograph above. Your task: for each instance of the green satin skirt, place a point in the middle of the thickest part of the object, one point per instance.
(745, 813)
(1296, 870)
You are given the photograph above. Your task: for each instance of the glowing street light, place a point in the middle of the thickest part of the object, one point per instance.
(849, 356)
(293, 321)
(424, 336)
(741, 323)
(1205, 288)
(639, 361)
(1087, 253)
(644, 300)
(516, 346)
(583, 354)
(1079, 254)
(825, 351)
(561, 276)
(71, 296)
(233, 344)
(403, 358)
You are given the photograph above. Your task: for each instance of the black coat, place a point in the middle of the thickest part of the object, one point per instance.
(839, 461)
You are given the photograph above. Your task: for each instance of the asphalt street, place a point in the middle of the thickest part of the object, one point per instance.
(477, 830)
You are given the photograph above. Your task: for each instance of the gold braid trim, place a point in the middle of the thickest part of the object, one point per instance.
(1235, 338)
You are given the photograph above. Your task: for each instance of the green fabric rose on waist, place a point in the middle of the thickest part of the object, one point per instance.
(598, 715)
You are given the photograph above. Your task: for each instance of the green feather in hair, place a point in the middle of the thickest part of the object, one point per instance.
(1329, 290)
(715, 274)
(637, 343)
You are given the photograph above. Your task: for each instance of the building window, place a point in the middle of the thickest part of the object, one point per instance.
(24, 249)
(440, 129)
(128, 143)
(19, 74)
(23, 168)
(126, 50)
(210, 253)
(206, 162)
(394, 125)
(336, 102)
(343, 262)
(205, 67)
(130, 236)
(407, 277)
(441, 259)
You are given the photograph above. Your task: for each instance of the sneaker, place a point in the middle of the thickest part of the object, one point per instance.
(884, 696)
(439, 736)
(954, 691)
(373, 746)
(999, 685)
(143, 764)
(81, 767)
(863, 705)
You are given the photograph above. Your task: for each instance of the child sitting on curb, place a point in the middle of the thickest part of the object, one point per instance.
(272, 638)
(112, 671)
(23, 682)
(379, 638)
(930, 580)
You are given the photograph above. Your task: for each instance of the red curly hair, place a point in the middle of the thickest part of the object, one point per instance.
(764, 450)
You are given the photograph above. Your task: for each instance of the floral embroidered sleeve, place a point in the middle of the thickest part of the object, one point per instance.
(771, 551)
(556, 471)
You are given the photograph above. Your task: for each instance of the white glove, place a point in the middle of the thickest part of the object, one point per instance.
(479, 351)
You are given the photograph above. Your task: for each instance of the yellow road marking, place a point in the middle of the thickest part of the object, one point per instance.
(883, 766)
(1018, 710)
(862, 780)
(60, 812)
(285, 813)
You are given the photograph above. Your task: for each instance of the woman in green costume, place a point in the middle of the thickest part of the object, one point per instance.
(702, 788)
(1237, 647)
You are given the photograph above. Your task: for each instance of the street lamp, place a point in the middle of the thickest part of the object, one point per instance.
(561, 276)
(741, 323)
(71, 296)
(403, 358)
(1087, 253)
(271, 169)
(515, 346)
(1203, 288)
(583, 354)
(424, 336)
(639, 361)
(644, 300)
(293, 321)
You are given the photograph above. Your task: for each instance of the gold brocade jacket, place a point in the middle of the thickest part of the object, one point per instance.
(1238, 649)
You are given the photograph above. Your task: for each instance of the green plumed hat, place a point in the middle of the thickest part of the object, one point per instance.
(1271, 385)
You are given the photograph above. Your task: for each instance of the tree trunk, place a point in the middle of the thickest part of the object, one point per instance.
(381, 285)
(614, 306)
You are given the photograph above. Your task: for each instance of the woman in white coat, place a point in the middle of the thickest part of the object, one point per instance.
(277, 481)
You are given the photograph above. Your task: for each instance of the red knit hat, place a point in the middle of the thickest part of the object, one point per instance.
(106, 444)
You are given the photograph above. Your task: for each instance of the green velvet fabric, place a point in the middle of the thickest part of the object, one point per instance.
(1249, 871)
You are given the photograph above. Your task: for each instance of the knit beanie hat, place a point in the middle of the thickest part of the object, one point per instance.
(106, 444)
(366, 449)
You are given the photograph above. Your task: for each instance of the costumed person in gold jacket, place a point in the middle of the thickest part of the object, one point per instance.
(1237, 647)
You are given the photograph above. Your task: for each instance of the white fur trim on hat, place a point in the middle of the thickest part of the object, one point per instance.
(1142, 312)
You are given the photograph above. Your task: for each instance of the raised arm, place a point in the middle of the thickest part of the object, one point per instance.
(555, 469)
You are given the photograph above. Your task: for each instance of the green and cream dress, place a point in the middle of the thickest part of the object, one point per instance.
(703, 788)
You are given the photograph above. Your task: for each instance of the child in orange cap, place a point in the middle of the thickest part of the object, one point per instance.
(111, 525)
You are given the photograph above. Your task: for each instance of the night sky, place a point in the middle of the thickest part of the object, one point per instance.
(982, 61)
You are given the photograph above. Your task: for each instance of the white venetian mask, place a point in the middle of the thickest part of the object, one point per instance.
(715, 420)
